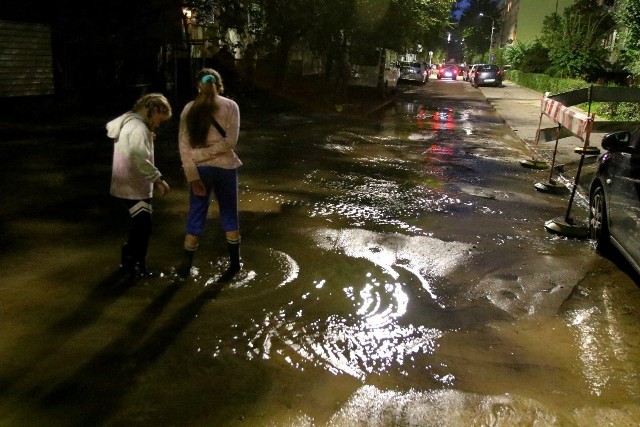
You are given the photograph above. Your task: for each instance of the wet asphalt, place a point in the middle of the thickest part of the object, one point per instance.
(397, 272)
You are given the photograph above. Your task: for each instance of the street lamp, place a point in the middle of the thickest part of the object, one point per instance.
(493, 24)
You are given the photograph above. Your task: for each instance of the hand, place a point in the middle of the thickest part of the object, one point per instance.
(198, 188)
(163, 187)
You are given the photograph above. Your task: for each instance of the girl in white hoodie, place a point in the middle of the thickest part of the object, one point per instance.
(134, 174)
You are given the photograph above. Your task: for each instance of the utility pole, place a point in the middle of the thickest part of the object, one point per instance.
(493, 24)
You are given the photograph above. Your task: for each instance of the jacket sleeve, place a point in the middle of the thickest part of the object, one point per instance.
(140, 145)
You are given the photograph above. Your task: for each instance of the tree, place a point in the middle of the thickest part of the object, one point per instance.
(575, 39)
(476, 29)
(629, 17)
(530, 57)
(331, 25)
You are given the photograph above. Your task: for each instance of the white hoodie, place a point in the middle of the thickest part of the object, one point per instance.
(133, 172)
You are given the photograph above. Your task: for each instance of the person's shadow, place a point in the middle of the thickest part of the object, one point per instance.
(95, 391)
(104, 294)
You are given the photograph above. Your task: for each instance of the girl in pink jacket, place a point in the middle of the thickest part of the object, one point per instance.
(209, 127)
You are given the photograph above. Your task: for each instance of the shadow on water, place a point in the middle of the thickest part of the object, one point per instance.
(103, 295)
(102, 383)
(623, 264)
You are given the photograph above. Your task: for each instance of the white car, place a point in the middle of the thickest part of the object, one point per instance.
(413, 71)
(376, 68)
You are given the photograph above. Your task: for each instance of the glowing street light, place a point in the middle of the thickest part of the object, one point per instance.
(493, 24)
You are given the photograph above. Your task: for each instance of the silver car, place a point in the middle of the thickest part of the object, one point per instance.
(486, 75)
(614, 197)
(413, 71)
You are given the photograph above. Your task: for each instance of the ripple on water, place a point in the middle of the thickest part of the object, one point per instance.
(383, 201)
(371, 339)
(364, 331)
(358, 345)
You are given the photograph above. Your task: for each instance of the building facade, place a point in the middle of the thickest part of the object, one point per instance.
(521, 20)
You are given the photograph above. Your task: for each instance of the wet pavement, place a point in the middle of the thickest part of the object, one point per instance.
(395, 272)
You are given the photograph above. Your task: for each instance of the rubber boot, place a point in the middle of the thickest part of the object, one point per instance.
(184, 269)
(233, 246)
(126, 258)
(140, 271)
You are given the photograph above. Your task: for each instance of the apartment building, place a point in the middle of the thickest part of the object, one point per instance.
(522, 19)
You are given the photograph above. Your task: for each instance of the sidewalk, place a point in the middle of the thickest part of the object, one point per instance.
(520, 108)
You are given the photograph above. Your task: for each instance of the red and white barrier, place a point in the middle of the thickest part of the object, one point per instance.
(576, 122)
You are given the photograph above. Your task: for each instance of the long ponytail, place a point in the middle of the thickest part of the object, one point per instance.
(199, 117)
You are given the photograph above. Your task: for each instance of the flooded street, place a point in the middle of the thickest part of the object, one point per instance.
(396, 271)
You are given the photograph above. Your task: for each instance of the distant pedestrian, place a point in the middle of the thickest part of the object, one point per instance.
(209, 127)
(134, 174)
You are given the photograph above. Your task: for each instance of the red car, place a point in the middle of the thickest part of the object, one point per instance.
(448, 72)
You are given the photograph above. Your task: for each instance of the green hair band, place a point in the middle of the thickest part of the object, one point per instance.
(208, 79)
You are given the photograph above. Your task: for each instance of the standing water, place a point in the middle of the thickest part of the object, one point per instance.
(395, 272)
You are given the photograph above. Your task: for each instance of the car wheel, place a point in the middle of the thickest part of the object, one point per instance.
(598, 222)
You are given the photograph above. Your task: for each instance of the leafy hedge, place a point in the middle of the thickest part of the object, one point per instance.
(543, 83)
(620, 111)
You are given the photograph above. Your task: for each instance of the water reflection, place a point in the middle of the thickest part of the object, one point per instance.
(422, 256)
(372, 406)
(604, 353)
(371, 336)
(370, 340)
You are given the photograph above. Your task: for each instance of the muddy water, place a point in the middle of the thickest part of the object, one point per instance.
(395, 272)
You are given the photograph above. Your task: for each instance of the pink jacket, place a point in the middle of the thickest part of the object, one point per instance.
(219, 151)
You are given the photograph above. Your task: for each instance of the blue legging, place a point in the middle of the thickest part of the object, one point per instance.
(224, 185)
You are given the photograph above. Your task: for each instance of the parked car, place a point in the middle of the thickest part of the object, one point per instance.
(614, 197)
(376, 69)
(413, 71)
(469, 72)
(448, 72)
(487, 74)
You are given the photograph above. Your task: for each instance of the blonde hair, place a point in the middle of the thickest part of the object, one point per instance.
(199, 117)
(150, 103)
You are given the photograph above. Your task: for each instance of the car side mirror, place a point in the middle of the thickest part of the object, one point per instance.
(618, 141)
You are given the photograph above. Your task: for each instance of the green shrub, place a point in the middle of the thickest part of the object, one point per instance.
(544, 83)
(618, 111)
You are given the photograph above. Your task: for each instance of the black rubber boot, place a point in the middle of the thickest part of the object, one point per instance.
(184, 269)
(126, 258)
(234, 262)
(140, 271)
